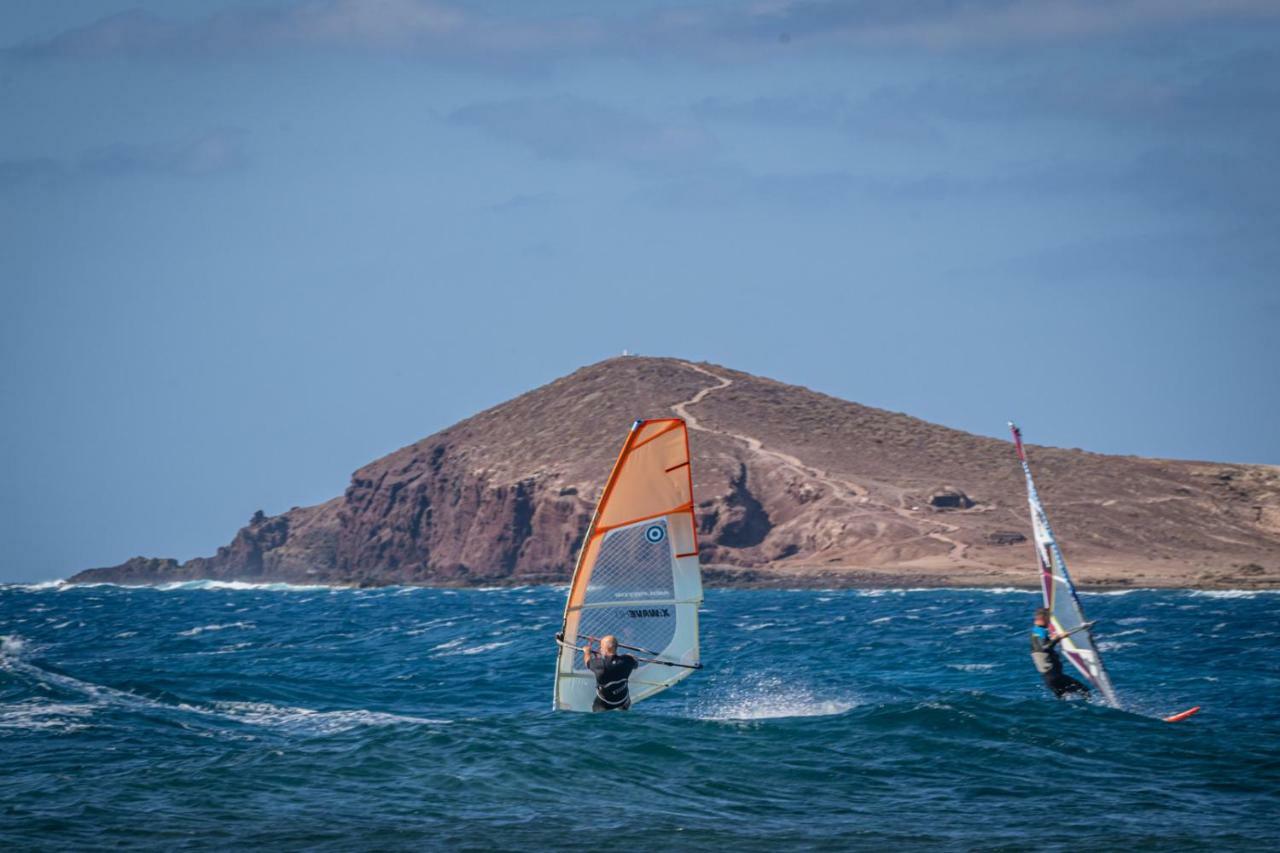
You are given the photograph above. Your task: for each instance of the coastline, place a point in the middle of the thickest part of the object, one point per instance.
(718, 576)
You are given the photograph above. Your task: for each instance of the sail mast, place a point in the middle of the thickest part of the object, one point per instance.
(1059, 593)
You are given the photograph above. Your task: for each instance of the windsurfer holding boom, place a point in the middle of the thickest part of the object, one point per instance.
(612, 671)
(1044, 653)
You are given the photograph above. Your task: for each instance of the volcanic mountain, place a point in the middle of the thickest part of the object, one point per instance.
(793, 487)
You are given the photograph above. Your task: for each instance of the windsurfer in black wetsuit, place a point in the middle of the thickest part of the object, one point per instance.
(1044, 654)
(612, 671)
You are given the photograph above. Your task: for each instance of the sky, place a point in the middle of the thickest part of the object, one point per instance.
(248, 247)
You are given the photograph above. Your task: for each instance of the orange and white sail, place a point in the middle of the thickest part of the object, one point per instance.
(637, 575)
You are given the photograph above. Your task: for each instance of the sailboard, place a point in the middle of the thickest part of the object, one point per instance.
(637, 576)
(1060, 599)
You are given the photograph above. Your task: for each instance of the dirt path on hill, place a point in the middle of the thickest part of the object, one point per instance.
(838, 489)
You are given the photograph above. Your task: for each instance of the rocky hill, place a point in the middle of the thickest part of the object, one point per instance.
(793, 487)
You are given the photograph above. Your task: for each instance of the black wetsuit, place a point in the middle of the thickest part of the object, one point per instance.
(1044, 653)
(612, 673)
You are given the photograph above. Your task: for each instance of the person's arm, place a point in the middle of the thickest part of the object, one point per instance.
(586, 655)
(1058, 638)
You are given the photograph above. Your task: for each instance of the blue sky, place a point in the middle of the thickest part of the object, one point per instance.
(247, 247)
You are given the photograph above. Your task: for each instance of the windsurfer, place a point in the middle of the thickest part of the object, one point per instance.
(1044, 654)
(612, 671)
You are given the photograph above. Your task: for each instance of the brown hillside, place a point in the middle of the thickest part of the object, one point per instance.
(792, 486)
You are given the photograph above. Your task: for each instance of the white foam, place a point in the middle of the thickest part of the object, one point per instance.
(482, 648)
(195, 632)
(969, 629)
(1232, 593)
(773, 698)
(32, 714)
(182, 586)
(971, 667)
(41, 714)
(310, 721)
(14, 651)
(227, 650)
(990, 591)
(775, 707)
(985, 590)
(35, 587)
(186, 586)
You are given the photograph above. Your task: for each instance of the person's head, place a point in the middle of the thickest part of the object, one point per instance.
(1042, 617)
(609, 645)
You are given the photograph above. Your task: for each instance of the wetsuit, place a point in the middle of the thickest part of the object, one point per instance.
(612, 673)
(1044, 654)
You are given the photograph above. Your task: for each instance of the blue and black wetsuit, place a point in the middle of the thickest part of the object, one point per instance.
(1044, 654)
(611, 674)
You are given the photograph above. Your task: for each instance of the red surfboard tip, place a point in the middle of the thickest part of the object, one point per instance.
(1182, 715)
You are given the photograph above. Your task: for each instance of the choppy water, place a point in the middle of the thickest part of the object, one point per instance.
(415, 719)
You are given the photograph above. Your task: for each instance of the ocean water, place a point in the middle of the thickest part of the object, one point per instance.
(213, 716)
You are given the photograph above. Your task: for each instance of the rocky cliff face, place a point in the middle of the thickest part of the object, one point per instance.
(792, 487)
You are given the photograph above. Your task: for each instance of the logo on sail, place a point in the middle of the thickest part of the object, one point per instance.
(655, 533)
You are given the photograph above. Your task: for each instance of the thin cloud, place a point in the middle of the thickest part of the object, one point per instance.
(211, 153)
(415, 27)
(875, 117)
(454, 33)
(570, 128)
(1211, 187)
(1233, 95)
(946, 24)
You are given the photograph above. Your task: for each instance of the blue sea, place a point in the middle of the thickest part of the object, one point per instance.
(215, 716)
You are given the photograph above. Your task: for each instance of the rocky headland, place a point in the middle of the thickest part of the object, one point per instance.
(793, 488)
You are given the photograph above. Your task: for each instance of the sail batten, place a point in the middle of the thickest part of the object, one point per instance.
(637, 575)
(1065, 611)
(598, 605)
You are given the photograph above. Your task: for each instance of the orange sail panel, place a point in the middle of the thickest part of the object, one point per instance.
(637, 575)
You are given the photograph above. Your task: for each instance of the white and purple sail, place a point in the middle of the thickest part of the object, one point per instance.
(1066, 614)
